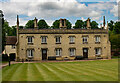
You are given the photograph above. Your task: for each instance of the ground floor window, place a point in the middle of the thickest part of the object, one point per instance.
(58, 52)
(97, 51)
(72, 51)
(30, 52)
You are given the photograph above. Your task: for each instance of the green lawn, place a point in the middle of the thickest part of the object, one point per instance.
(99, 70)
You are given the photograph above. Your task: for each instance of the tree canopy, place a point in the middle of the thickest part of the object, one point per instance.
(42, 24)
(56, 24)
(30, 24)
(94, 25)
(79, 24)
(83, 24)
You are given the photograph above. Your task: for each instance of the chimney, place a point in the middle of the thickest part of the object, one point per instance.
(104, 22)
(62, 23)
(88, 23)
(101, 26)
(17, 21)
(35, 23)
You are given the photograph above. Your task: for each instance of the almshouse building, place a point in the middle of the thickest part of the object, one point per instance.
(62, 43)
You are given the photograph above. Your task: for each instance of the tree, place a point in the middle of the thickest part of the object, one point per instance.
(78, 24)
(13, 31)
(42, 24)
(85, 24)
(94, 25)
(116, 28)
(111, 25)
(30, 24)
(68, 24)
(56, 24)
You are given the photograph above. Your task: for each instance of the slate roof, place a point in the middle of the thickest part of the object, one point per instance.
(11, 40)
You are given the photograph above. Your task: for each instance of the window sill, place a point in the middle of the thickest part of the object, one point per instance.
(85, 42)
(30, 57)
(72, 43)
(58, 43)
(58, 56)
(97, 42)
(30, 43)
(43, 43)
(72, 56)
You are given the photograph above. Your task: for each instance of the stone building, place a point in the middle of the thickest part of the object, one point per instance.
(62, 43)
(10, 47)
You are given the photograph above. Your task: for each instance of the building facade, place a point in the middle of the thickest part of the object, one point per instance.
(62, 43)
(10, 47)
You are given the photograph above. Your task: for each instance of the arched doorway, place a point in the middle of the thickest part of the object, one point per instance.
(12, 56)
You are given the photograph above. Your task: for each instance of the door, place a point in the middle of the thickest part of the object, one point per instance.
(44, 54)
(85, 52)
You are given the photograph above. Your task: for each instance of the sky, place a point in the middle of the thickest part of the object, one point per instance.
(52, 10)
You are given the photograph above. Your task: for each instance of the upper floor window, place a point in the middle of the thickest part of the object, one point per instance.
(30, 52)
(72, 51)
(72, 39)
(97, 39)
(58, 39)
(97, 51)
(58, 51)
(85, 40)
(30, 39)
(13, 46)
(44, 39)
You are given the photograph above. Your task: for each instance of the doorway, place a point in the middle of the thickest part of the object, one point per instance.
(12, 56)
(85, 52)
(44, 54)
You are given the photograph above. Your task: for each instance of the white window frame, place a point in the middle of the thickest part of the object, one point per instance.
(97, 39)
(58, 51)
(72, 51)
(85, 39)
(44, 39)
(98, 51)
(58, 39)
(72, 39)
(30, 39)
(30, 53)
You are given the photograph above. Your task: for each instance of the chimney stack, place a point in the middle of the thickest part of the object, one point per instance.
(35, 23)
(104, 22)
(88, 23)
(62, 23)
(17, 21)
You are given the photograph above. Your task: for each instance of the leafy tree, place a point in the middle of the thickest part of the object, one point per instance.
(21, 27)
(94, 25)
(85, 24)
(42, 24)
(115, 40)
(116, 28)
(13, 31)
(56, 24)
(30, 24)
(68, 24)
(78, 24)
(111, 25)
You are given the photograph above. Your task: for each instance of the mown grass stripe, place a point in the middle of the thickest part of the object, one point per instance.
(67, 76)
(33, 73)
(97, 74)
(20, 72)
(9, 72)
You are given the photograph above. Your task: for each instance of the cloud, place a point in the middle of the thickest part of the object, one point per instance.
(48, 9)
(114, 10)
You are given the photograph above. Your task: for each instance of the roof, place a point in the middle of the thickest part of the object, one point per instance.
(11, 40)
